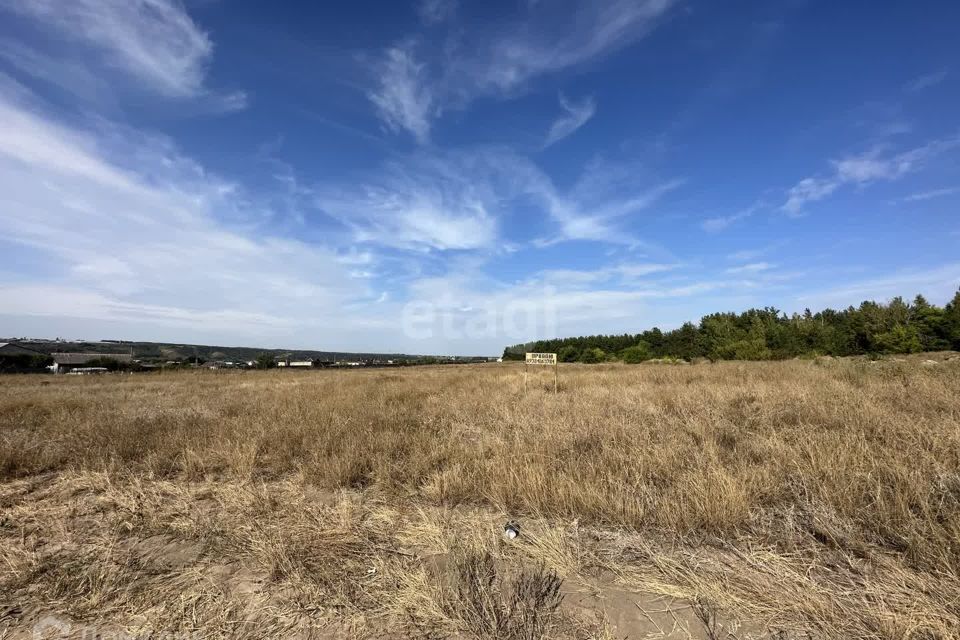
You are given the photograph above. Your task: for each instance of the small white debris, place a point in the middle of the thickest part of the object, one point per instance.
(511, 530)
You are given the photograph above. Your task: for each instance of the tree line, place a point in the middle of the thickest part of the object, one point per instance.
(768, 334)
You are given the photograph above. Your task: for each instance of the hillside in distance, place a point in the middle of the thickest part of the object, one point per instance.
(167, 351)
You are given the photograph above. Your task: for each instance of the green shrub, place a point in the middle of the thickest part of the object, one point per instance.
(592, 356)
(900, 339)
(636, 354)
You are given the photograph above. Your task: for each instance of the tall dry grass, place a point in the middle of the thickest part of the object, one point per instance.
(835, 486)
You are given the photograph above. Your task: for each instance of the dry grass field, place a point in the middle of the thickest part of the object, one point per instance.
(733, 500)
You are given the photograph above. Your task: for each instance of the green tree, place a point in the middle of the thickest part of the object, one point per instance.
(265, 361)
(951, 322)
(900, 339)
(717, 332)
(928, 321)
(759, 334)
(637, 353)
(683, 342)
(24, 363)
(749, 349)
(592, 356)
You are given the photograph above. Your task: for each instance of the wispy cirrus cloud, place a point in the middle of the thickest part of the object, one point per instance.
(749, 255)
(154, 41)
(576, 114)
(931, 194)
(863, 169)
(436, 11)
(720, 223)
(423, 202)
(65, 74)
(753, 267)
(412, 86)
(809, 190)
(926, 81)
(151, 44)
(432, 200)
(624, 273)
(594, 211)
(404, 98)
(539, 43)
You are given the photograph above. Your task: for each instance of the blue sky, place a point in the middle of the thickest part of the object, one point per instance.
(447, 176)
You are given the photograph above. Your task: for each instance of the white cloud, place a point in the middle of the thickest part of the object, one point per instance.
(868, 167)
(432, 200)
(604, 195)
(931, 194)
(753, 267)
(809, 190)
(623, 273)
(748, 255)
(233, 101)
(926, 81)
(633, 270)
(138, 241)
(64, 73)
(719, 223)
(575, 116)
(403, 97)
(503, 58)
(130, 231)
(154, 41)
(594, 212)
(424, 202)
(864, 169)
(355, 257)
(60, 301)
(436, 11)
(552, 39)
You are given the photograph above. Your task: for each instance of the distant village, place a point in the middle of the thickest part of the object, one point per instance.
(62, 357)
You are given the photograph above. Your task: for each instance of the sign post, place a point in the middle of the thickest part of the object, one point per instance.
(547, 359)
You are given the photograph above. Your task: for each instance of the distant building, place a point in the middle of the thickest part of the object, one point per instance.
(296, 364)
(66, 362)
(17, 349)
(222, 364)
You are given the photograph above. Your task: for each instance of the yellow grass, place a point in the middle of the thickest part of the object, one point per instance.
(791, 497)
